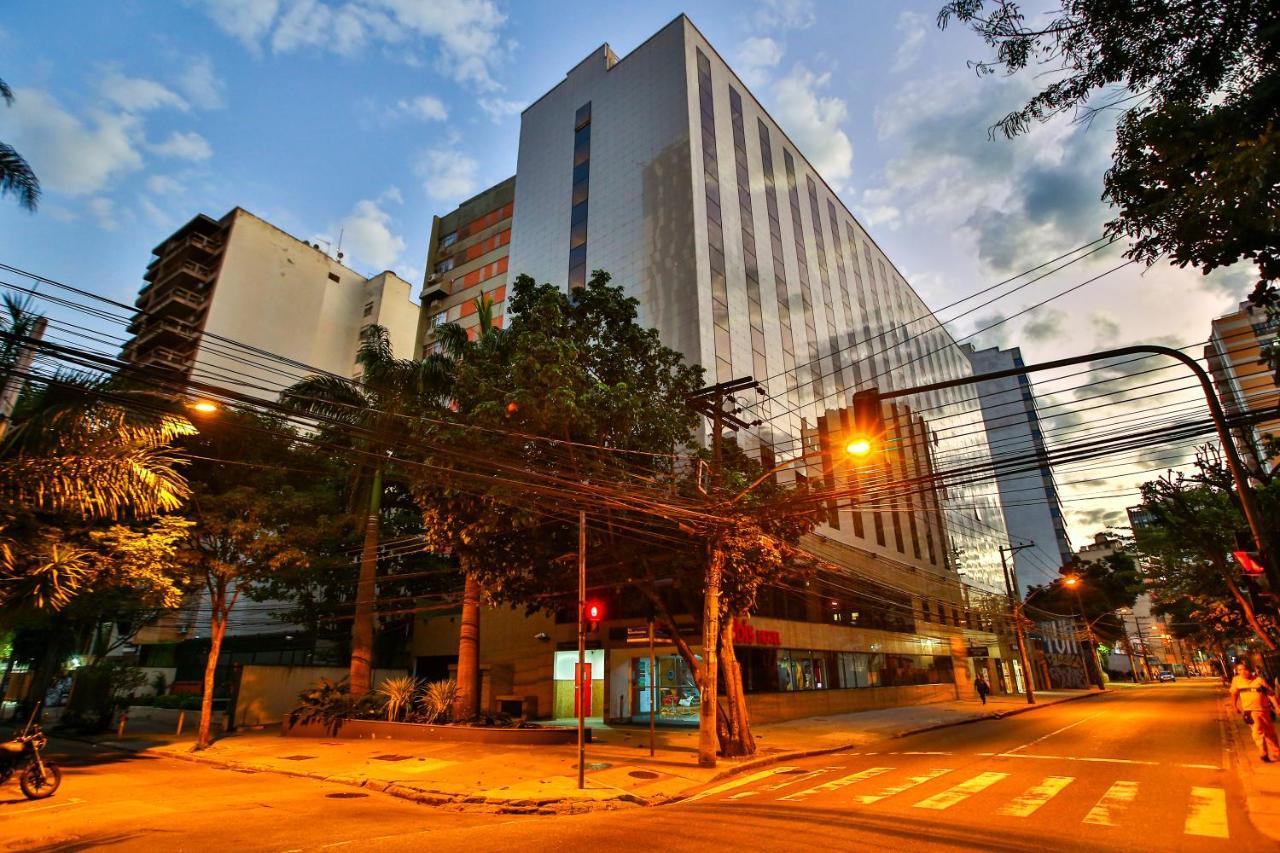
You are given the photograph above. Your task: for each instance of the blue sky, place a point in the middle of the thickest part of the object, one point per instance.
(369, 116)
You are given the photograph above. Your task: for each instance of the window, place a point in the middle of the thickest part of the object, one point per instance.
(368, 309)
(334, 277)
(578, 197)
(449, 239)
(445, 265)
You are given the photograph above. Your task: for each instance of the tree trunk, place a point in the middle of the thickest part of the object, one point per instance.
(1249, 615)
(467, 704)
(740, 741)
(221, 609)
(707, 710)
(360, 677)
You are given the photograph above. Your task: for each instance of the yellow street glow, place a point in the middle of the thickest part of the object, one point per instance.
(858, 447)
(1071, 581)
(204, 406)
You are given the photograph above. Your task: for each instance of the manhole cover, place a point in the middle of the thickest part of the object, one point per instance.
(597, 765)
(643, 774)
(392, 757)
(296, 757)
(346, 795)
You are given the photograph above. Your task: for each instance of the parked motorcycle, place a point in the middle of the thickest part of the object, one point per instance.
(37, 778)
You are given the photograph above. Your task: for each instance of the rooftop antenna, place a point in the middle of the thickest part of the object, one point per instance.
(341, 231)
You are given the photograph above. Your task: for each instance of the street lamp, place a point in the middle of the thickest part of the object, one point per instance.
(857, 447)
(1073, 582)
(204, 407)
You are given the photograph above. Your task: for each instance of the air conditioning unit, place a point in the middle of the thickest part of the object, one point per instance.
(434, 278)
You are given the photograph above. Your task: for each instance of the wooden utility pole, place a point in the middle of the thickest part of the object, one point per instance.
(1015, 609)
(582, 647)
(710, 402)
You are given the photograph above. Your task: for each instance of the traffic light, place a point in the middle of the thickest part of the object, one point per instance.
(1250, 562)
(593, 612)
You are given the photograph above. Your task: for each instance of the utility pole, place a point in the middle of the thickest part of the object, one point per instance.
(1015, 610)
(653, 687)
(710, 402)
(1142, 644)
(1093, 669)
(582, 647)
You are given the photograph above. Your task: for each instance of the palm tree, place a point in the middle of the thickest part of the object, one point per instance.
(15, 175)
(375, 415)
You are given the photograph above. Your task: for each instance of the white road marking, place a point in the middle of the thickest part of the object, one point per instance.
(1200, 766)
(1036, 796)
(1208, 813)
(1081, 758)
(894, 790)
(1053, 733)
(803, 777)
(74, 801)
(960, 793)
(837, 784)
(926, 753)
(739, 782)
(1117, 798)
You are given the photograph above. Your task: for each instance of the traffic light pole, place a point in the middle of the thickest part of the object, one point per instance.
(1011, 586)
(582, 647)
(1248, 502)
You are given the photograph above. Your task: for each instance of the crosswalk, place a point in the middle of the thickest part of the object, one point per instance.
(1012, 792)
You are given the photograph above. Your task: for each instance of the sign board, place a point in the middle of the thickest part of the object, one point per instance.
(745, 635)
(582, 689)
(979, 652)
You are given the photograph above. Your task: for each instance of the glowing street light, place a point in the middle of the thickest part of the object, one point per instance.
(204, 407)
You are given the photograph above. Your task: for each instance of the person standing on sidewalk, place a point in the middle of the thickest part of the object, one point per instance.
(1255, 701)
(982, 687)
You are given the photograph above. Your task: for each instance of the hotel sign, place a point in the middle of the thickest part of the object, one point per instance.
(745, 635)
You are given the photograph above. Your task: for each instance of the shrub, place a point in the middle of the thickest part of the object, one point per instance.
(330, 702)
(158, 684)
(167, 701)
(435, 703)
(398, 695)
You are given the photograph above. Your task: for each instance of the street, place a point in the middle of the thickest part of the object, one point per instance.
(1137, 769)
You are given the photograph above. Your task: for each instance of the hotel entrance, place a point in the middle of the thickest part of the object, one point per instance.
(678, 699)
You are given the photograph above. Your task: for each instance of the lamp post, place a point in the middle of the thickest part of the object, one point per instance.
(1090, 660)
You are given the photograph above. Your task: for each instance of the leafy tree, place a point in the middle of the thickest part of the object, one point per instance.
(15, 175)
(261, 506)
(1195, 176)
(372, 416)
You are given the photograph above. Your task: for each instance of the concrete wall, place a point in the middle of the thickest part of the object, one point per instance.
(268, 693)
(274, 292)
(774, 707)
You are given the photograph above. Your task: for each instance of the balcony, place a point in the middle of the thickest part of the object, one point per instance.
(436, 287)
(164, 332)
(165, 358)
(177, 302)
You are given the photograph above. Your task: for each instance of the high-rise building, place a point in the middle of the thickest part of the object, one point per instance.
(1029, 495)
(1246, 387)
(467, 259)
(239, 304)
(662, 169)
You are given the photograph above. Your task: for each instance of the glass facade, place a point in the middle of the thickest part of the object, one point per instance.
(792, 670)
(722, 342)
(578, 199)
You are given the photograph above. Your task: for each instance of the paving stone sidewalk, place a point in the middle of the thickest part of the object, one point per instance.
(619, 768)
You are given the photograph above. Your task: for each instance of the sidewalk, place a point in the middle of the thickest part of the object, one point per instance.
(1261, 781)
(620, 770)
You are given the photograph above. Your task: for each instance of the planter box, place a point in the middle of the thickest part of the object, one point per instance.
(374, 729)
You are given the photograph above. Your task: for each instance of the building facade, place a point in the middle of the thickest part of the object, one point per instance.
(238, 304)
(662, 169)
(1246, 387)
(1029, 497)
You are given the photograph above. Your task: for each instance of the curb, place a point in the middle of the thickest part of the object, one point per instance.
(827, 750)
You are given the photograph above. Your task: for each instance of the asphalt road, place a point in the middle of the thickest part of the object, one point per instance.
(1142, 769)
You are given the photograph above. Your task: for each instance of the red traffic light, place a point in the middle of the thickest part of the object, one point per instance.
(594, 612)
(1250, 562)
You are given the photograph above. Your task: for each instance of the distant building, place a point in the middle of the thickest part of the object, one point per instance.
(239, 304)
(1246, 387)
(1103, 545)
(467, 258)
(1028, 492)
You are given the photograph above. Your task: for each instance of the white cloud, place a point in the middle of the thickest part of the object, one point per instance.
(137, 94)
(465, 32)
(756, 58)
(423, 108)
(367, 238)
(499, 109)
(164, 185)
(785, 15)
(912, 27)
(104, 211)
(69, 155)
(247, 20)
(447, 174)
(153, 212)
(201, 84)
(814, 122)
(186, 146)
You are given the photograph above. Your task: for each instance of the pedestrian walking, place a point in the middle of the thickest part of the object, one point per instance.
(1255, 701)
(982, 687)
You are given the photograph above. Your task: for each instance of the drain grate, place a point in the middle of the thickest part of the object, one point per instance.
(643, 774)
(392, 757)
(296, 757)
(346, 795)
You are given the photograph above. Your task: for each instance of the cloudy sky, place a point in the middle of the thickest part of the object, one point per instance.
(368, 116)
